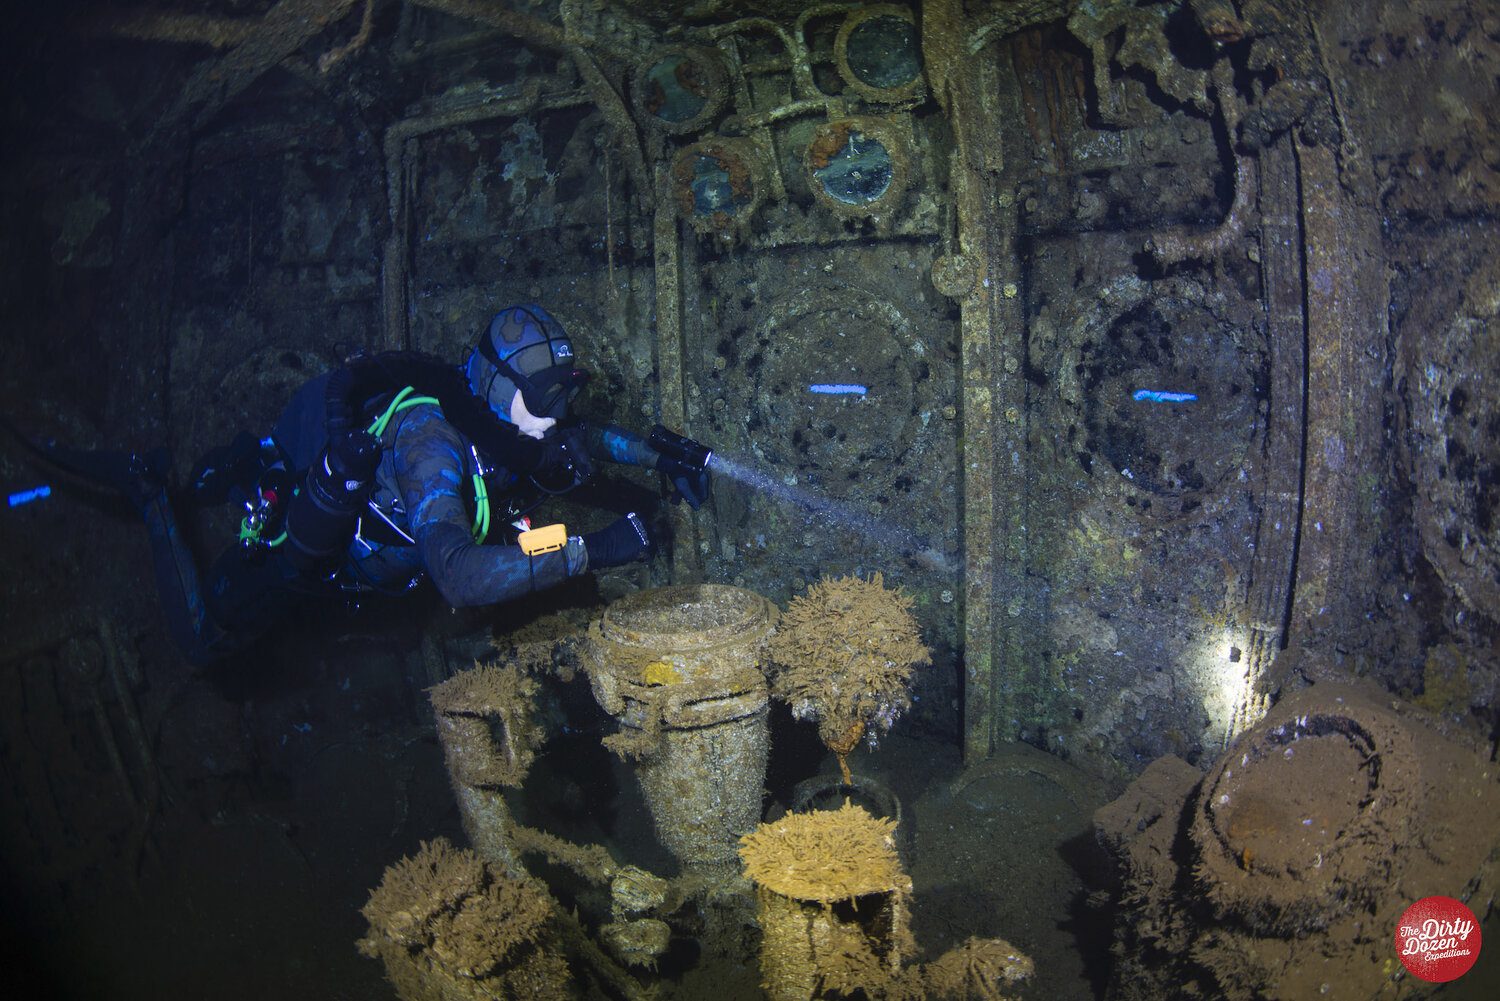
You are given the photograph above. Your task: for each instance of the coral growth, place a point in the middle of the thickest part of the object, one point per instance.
(833, 909)
(832, 903)
(547, 644)
(638, 942)
(976, 969)
(449, 925)
(634, 936)
(824, 855)
(843, 655)
(592, 862)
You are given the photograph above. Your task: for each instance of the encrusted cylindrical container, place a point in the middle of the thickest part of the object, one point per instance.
(680, 668)
(1293, 826)
(832, 902)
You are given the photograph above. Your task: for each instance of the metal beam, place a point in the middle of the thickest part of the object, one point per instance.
(285, 28)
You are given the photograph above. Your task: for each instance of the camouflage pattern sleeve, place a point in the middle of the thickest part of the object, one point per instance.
(616, 444)
(430, 469)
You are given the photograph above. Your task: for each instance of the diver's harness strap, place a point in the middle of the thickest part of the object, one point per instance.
(267, 507)
(369, 377)
(404, 400)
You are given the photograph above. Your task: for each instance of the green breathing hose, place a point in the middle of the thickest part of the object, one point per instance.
(404, 401)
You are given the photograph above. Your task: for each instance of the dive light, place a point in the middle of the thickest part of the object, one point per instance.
(680, 449)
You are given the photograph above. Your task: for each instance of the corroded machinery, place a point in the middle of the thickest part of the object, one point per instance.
(450, 925)
(1281, 873)
(833, 903)
(484, 724)
(680, 668)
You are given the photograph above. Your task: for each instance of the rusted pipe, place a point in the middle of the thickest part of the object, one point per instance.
(536, 32)
(802, 77)
(333, 57)
(1180, 244)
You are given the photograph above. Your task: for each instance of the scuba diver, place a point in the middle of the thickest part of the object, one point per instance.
(392, 469)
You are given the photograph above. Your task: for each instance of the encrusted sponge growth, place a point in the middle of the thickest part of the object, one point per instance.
(843, 655)
(976, 969)
(476, 753)
(449, 925)
(825, 855)
(833, 905)
(546, 645)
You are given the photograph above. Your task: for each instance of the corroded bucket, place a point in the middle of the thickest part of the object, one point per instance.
(680, 668)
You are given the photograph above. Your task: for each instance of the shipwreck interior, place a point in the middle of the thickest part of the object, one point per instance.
(1097, 596)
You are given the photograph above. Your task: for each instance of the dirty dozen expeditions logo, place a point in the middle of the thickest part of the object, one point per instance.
(1437, 939)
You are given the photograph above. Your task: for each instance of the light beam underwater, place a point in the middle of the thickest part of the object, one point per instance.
(898, 539)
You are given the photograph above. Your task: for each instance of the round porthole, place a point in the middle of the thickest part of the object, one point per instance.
(680, 89)
(1171, 396)
(879, 53)
(828, 375)
(717, 185)
(856, 166)
(1160, 392)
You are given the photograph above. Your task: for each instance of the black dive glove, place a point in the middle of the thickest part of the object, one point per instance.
(226, 468)
(688, 484)
(622, 542)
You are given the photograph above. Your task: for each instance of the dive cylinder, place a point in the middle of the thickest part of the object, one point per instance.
(321, 518)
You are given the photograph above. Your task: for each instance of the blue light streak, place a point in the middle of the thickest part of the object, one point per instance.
(838, 389)
(27, 496)
(1161, 396)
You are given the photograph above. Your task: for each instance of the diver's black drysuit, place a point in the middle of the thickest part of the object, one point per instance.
(418, 524)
